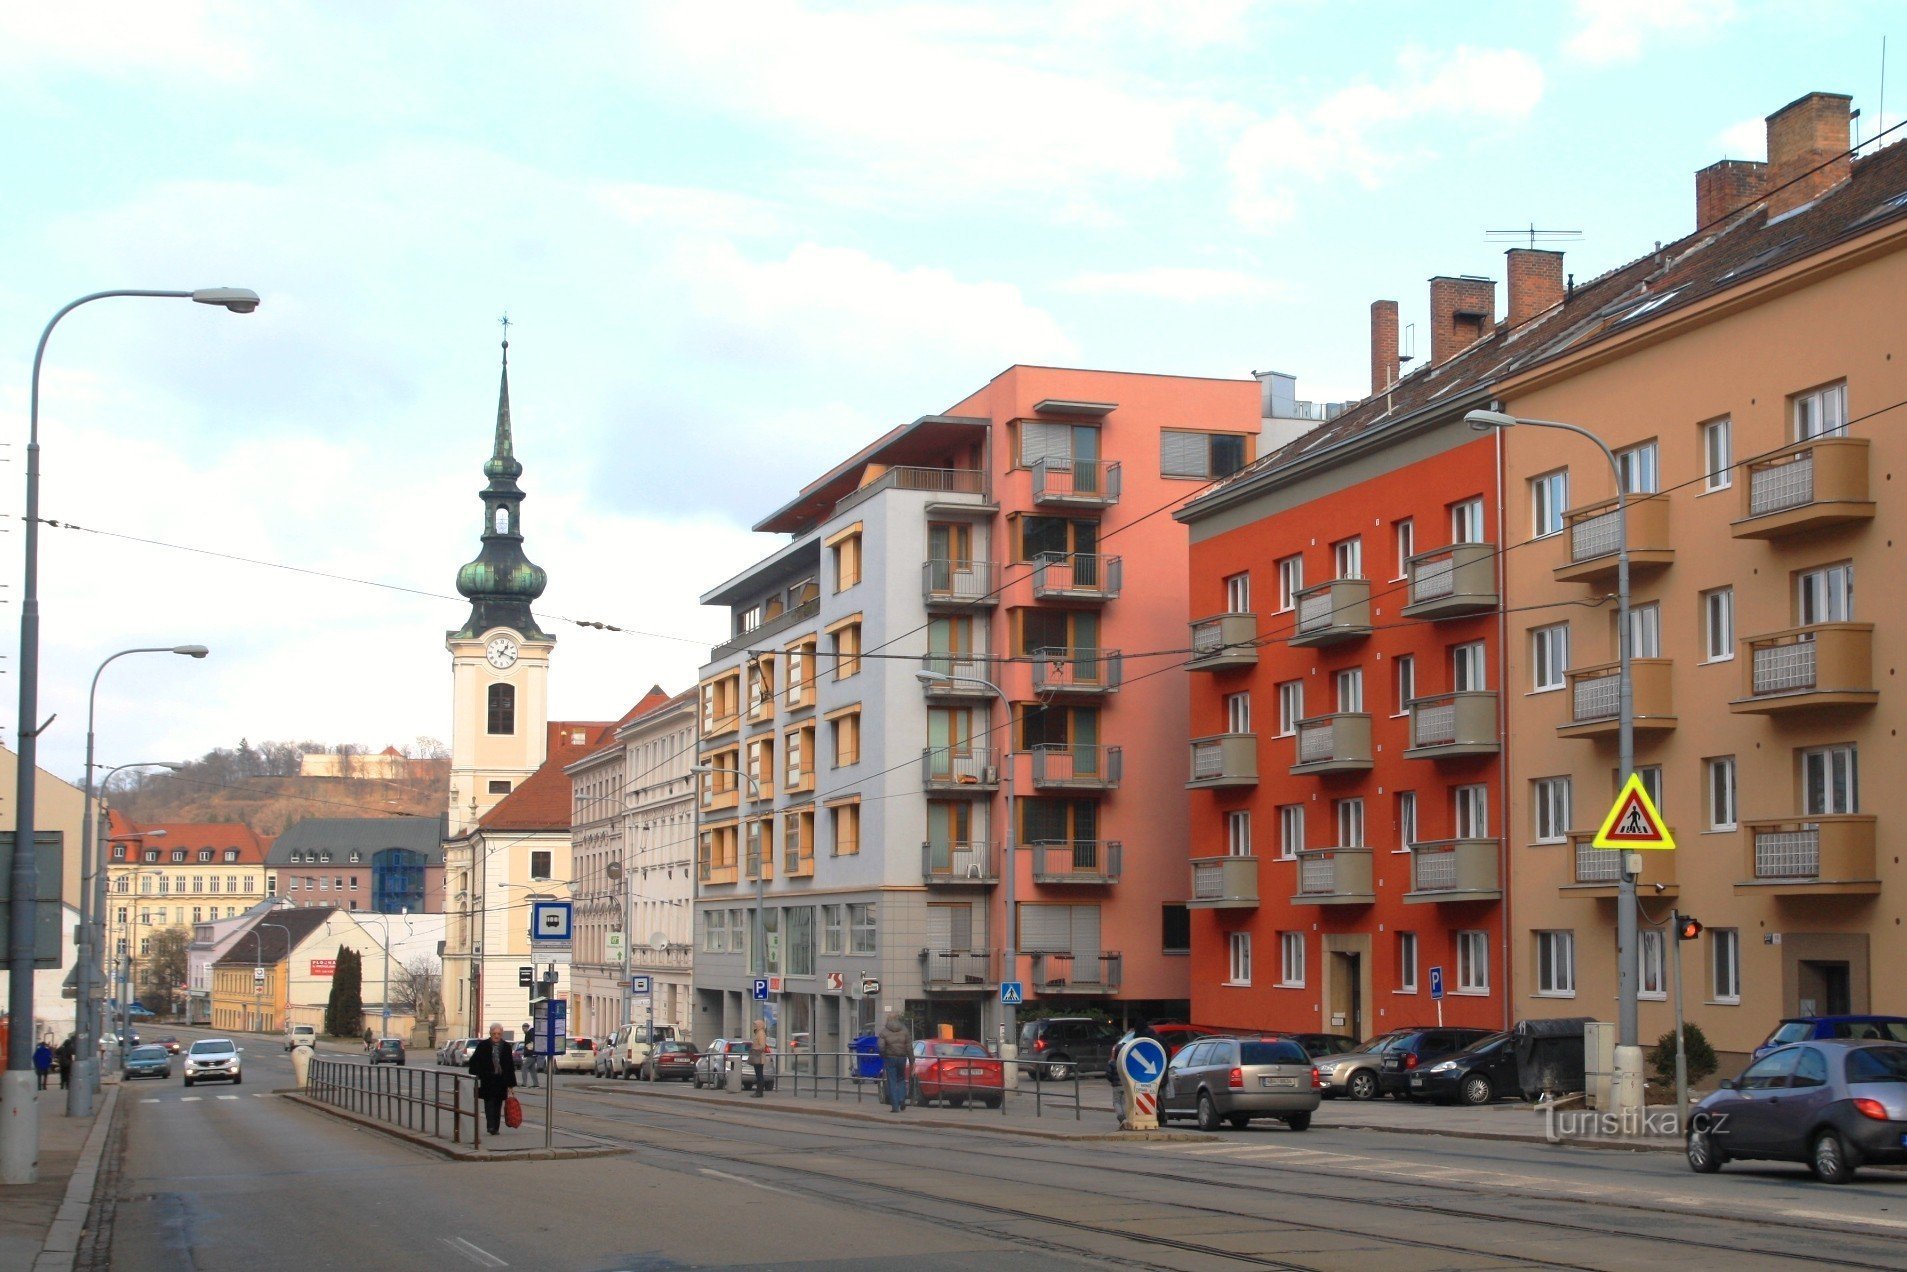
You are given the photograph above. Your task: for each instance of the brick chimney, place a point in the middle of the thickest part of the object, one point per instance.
(1724, 188)
(1462, 312)
(1536, 282)
(1807, 133)
(1384, 364)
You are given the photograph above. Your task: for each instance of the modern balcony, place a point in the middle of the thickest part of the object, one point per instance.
(1077, 767)
(1829, 855)
(958, 769)
(1806, 669)
(1452, 582)
(1455, 870)
(970, 666)
(767, 628)
(954, 971)
(797, 862)
(1810, 485)
(1334, 876)
(1076, 576)
(1095, 672)
(1332, 613)
(1453, 724)
(712, 873)
(956, 487)
(959, 865)
(1227, 759)
(1591, 541)
(1077, 483)
(1093, 862)
(1223, 642)
(959, 585)
(1224, 883)
(1597, 872)
(1595, 699)
(1076, 973)
(1338, 743)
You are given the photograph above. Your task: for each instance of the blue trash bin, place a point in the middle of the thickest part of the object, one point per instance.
(867, 1057)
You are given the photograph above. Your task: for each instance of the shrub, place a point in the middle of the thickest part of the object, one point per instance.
(1701, 1056)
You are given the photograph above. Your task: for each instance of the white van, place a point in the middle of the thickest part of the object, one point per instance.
(301, 1036)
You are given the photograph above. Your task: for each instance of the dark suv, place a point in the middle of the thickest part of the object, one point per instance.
(1421, 1047)
(1059, 1048)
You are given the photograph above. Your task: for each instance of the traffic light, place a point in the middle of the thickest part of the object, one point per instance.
(1687, 927)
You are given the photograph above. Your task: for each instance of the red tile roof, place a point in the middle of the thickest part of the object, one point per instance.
(543, 801)
(191, 838)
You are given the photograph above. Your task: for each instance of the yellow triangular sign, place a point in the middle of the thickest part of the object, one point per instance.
(1633, 821)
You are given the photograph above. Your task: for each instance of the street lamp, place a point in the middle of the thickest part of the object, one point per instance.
(125, 964)
(1628, 1045)
(258, 968)
(760, 953)
(405, 914)
(1010, 957)
(20, 1129)
(79, 1094)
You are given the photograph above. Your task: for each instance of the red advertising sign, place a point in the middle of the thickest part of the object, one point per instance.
(323, 966)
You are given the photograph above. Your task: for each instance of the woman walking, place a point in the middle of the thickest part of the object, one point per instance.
(493, 1064)
(758, 1051)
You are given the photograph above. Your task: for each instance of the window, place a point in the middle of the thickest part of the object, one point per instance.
(1291, 958)
(715, 931)
(1640, 467)
(861, 928)
(1406, 539)
(1240, 943)
(845, 552)
(798, 924)
(1556, 964)
(1471, 805)
(800, 679)
(1290, 707)
(1290, 582)
(1187, 454)
(1350, 815)
(1468, 670)
(1651, 982)
(1238, 713)
(1717, 456)
(1290, 830)
(1724, 963)
(1238, 833)
(1238, 594)
(1350, 686)
(540, 864)
(1473, 962)
(1549, 657)
(499, 786)
(1466, 521)
(844, 824)
(1821, 412)
(844, 644)
(1406, 962)
(1645, 630)
(1549, 499)
(1651, 777)
(1406, 820)
(1825, 595)
(831, 930)
(1830, 781)
(1347, 558)
(1175, 929)
(1718, 625)
(1404, 674)
(502, 710)
(119, 852)
(797, 746)
(844, 732)
(1719, 776)
(1549, 808)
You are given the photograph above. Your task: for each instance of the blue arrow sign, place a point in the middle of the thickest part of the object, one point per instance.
(1012, 993)
(1143, 1061)
(761, 989)
(1436, 984)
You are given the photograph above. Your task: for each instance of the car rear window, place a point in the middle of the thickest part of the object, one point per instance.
(959, 1049)
(1789, 1031)
(1878, 1030)
(1273, 1053)
(148, 1053)
(1877, 1064)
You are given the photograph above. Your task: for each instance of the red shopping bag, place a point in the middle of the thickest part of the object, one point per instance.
(512, 1112)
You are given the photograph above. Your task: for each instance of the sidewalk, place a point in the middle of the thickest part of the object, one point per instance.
(525, 1143)
(41, 1223)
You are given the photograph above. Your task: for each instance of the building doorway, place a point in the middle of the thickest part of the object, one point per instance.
(1346, 1014)
(1826, 988)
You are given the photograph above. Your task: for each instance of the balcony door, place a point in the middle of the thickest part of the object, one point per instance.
(950, 846)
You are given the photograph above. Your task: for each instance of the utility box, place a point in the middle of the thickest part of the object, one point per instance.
(1599, 1063)
(46, 913)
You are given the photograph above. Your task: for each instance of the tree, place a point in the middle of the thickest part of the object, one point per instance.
(165, 970)
(417, 987)
(1701, 1056)
(344, 1013)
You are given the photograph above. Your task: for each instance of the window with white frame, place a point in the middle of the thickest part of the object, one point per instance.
(1290, 707)
(1350, 815)
(1290, 582)
(1471, 806)
(1652, 979)
(1549, 499)
(1718, 455)
(1238, 832)
(1404, 674)
(1549, 809)
(1466, 521)
(1291, 958)
(1290, 830)
(1718, 625)
(1473, 962)
(1556, 964)
(1468, 668)
(1650, 776)
(1820, 412)
(1825, 595)
(1238, 593)
(1406, 962)
(1724, 964)
(1405, 536)
(1241, 959)
(1830, 781)
(1347, 558)
(1238, 713)
(1645, 630)
(1549, 657)
(1641, 469)
(1350, 686)
(1406, 820)
(1719, 776)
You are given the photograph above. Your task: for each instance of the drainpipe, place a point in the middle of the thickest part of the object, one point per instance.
(1506, 941)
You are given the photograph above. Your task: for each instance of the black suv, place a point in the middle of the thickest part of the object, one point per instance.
(1059, 1048)
(1418, 1048)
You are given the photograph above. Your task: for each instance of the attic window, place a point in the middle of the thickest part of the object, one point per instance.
(1649, 305)
(231, 854)
(324, 857)
(1762, 257)
(205, 854)
(355, 857)
(1881, 209)
(178, 854)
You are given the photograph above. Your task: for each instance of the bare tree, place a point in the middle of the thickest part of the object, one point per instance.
(163, 976)
(417, 987)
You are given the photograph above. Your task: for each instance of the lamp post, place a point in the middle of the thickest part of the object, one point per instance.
(758, 953)
(79, 1093)
(1628, 1045)
(1009, 957)
(126, 937)
(20, 1129)
(258, 966)
(406, 916)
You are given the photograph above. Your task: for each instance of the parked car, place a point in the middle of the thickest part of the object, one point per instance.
(1173, 1037)
(1319, 1045)
(147, 1062)
(711, 1066)
(1233, 1080)
(213, 1058)
(1354, 1073)
(170, 1043)
(1835, 1104)
(301, 1036)
(579, 1056)
(1480, 1073)
(1060, 1047)
(957, 1071)
(1418, 1048)
(671, 1060)
(457, 1051)
(1811, 1028)
(623, 1052)
(388, 1051)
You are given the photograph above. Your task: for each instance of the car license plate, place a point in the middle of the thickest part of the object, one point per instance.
(973, 1073)
(1415, 1080)
(1279, 1084)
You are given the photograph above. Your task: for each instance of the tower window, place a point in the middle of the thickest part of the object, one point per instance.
(501, 520)
(499, 786)
(502, 709)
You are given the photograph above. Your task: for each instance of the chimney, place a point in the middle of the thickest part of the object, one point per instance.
(1462, 312)
(1725, 188)
(1807, 133)
(1384, 364)
(1536, 282)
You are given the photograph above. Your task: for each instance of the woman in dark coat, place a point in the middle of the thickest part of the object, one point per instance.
(493, 1064)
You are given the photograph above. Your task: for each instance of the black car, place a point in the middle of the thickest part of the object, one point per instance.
(1420, 1049)
(1059, 1048)
(1482, 1072)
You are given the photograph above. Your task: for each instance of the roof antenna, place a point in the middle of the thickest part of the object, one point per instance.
(1533, 235)
(1409, 351)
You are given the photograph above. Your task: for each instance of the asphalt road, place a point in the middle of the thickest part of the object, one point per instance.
(241, 1179)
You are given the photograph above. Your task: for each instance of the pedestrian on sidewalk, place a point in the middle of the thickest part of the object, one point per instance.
(897, 1048)
(64, 1059)
(42, 1062)
(529, 1057)
(493, 1064)
(758, 1051)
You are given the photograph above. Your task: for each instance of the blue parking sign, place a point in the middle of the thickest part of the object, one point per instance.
(761, 989)
(1436, 984)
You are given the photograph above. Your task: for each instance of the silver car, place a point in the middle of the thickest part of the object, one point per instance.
(1220, 1080)
(1355, 1073)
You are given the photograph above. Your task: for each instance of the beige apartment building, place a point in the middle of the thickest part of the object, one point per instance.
(1753, 384)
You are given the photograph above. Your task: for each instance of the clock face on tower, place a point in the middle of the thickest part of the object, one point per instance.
(501, 653)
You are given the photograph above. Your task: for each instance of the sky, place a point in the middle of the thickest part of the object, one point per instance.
(735, 242)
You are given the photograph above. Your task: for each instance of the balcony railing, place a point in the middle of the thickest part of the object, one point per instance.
(1597, 872)
(1076, 576)
(1832, 854)
(717, 872)
(970, 666)
(954, 768)
(1224, 883)
(1592, 541)
(1228, 759)
(1076, 973)
(1334, 876)
(959, 865)
(1595, 699)
(958, 969)
(1455, 870)
(1094, 671)
(958, 584)
(1077, 767)
(762, 631)
(1452, 581)
(1450, 724)
(1805, 669)
(1333, 612)
(1077, 483)
(1084, 861)
(938, 481)
(1338, 743)
(1810, 485)
(1224, 641)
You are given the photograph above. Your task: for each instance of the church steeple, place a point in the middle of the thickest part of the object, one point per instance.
(502, 582)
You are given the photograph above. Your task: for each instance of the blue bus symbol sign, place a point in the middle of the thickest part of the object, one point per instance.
(1143, 1062)
(1436, 984)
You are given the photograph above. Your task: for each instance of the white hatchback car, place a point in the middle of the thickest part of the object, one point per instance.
(213, 1058)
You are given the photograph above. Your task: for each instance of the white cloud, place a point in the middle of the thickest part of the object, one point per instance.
(1747, 139)
(1187, 284)
(199, 39)
(1616, 30)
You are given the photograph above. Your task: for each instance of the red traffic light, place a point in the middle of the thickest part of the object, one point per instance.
(1687, 928)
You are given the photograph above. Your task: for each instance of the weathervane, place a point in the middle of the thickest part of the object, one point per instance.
(504, 322)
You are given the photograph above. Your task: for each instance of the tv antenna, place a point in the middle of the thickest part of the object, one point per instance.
(1534, 235)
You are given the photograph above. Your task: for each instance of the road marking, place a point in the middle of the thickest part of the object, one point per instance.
(228, 1097)
(149, 1101)
(743, 1179)
(190, 1099)
(476, 1254)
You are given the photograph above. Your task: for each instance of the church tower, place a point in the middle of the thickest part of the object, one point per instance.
(499, 658)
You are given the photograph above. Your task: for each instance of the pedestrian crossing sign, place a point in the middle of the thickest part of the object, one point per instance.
(1633, 822)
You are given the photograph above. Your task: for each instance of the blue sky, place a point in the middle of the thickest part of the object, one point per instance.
(735, 241)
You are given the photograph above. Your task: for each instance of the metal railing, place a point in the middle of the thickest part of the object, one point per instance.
(1076, 575)
(957, 969)
(1093, 481)
(957, 582)
(973, 665)
(1076, 860)
(934, 481)
(948, 863)
(421, 1100)
(843, 1075)
(781, 622)
(1077, 766)
(945, 767)
(1078, 973)
(1076, 670)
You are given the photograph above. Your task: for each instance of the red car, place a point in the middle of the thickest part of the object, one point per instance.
(670, 1060)
(956, 1070)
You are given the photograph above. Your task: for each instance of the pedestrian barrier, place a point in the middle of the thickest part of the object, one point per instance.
(974, 1085)
(420, 1100)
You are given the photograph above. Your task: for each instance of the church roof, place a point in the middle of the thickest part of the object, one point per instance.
(502, 581)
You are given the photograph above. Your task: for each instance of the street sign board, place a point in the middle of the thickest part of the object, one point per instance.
(1012, 993)
(526, 977)
(1633, 821)
(1436, 984)
(639, 985)
(612, 952)
(549, 1019)
(258, 976)
(870, 986)
(47, 921)
(761, 989)
(324, 967)
(835, 981)
(1143, 1061)
(550, 922)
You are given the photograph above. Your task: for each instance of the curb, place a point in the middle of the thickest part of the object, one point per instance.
(1504, 1137)
(453, 1152)
(60, 1247)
